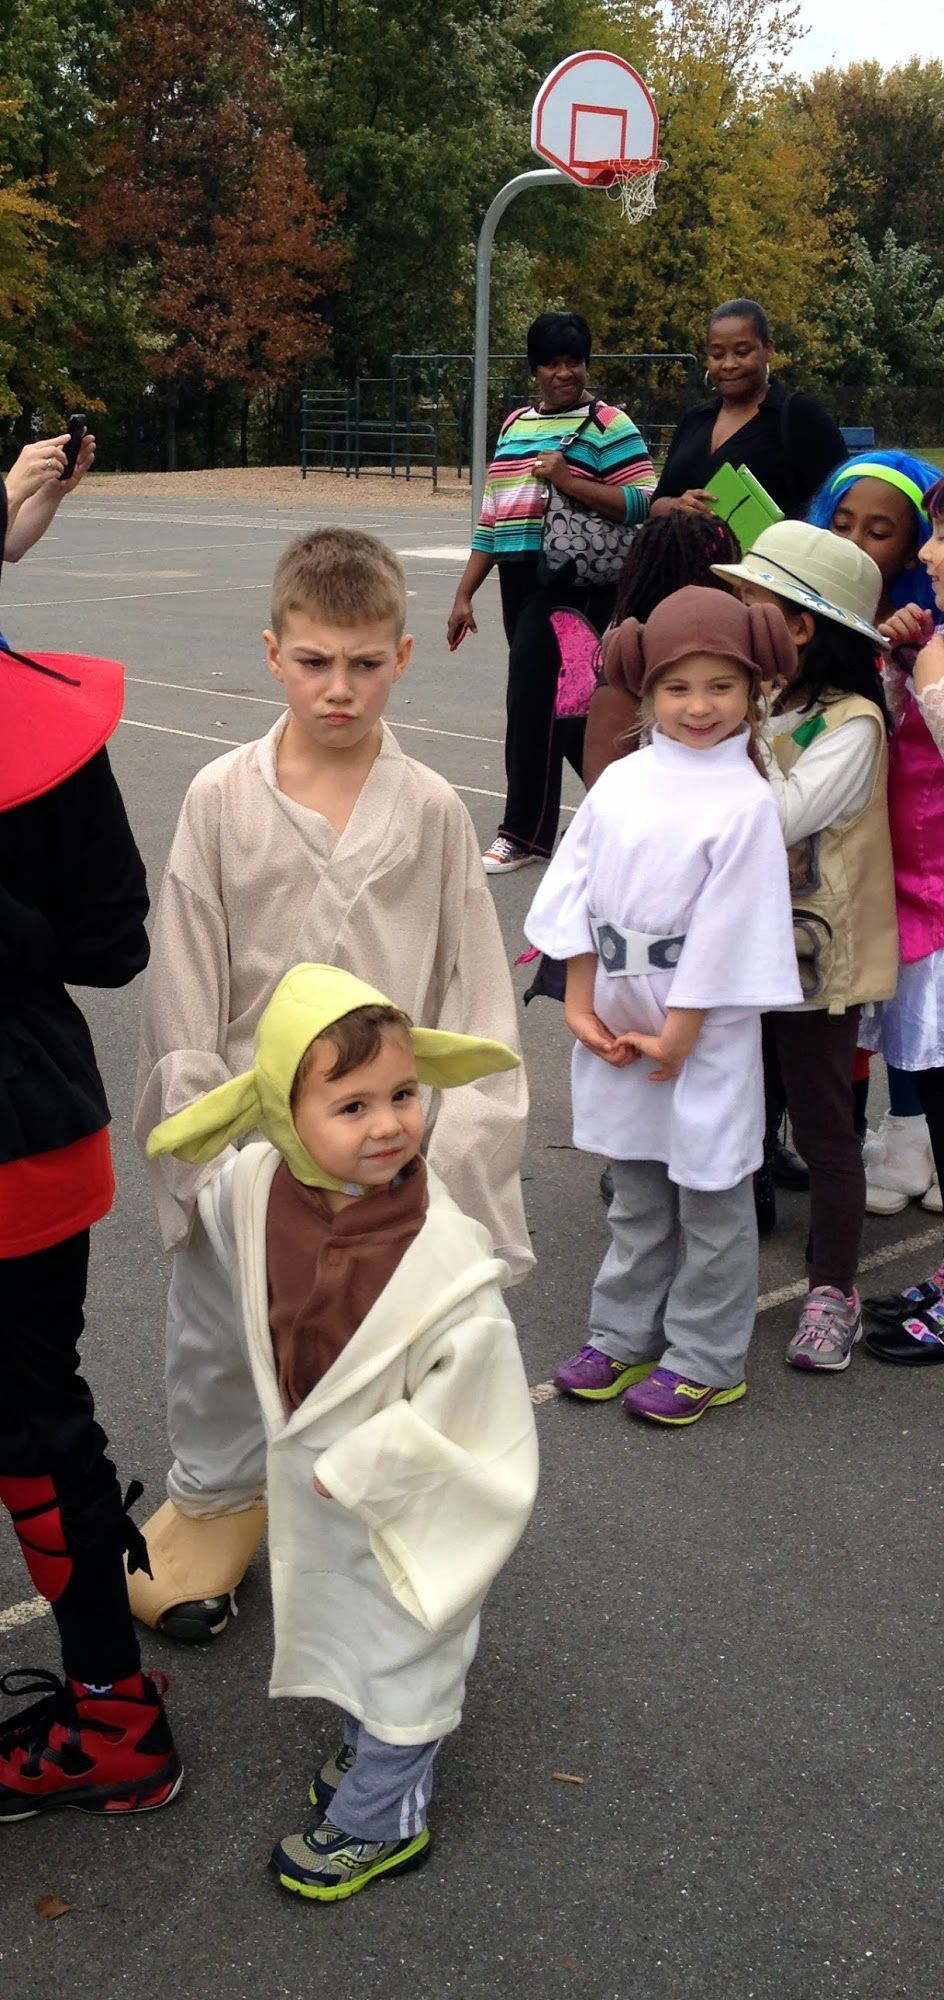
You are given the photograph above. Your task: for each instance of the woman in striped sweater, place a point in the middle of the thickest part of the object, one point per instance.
(609, 470)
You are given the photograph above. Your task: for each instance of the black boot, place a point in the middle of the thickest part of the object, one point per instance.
(788, 1170)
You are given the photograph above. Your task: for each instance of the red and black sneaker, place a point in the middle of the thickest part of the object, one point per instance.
(102, 1752)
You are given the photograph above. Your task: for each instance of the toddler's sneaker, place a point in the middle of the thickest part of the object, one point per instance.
(101, 1752)
(327, 1865)
(594, 1376)
(504, 856)
(830, 1325)
(667, 1398)
(326, 1781)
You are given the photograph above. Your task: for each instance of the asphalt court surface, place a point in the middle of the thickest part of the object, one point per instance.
(730, 1635)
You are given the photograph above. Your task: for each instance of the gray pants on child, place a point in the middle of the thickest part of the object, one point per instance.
(678, 1283)
(386, 1793)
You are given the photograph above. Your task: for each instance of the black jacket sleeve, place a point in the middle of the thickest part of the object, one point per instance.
(101, 939)
(816, 445)
(27, 943)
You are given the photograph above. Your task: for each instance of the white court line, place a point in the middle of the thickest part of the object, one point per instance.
(128, 596)
(267, 521)
(25, 1613)
(239, 743)
(873, 1262)
(266, 701)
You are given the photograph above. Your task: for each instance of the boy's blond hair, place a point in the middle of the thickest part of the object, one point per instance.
(340, 575)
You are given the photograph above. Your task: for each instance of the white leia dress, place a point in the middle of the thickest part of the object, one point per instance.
(679, 844)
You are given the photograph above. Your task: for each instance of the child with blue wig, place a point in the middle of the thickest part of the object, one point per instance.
(876, 499)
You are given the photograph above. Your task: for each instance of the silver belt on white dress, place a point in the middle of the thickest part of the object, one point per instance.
(624, 954)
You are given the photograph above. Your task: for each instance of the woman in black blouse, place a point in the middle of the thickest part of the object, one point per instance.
(786, 439)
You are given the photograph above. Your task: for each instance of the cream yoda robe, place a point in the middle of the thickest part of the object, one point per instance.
(256, 883)
(423, 1432)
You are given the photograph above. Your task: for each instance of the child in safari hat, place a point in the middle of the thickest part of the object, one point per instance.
(402, 1456)
(826, 748)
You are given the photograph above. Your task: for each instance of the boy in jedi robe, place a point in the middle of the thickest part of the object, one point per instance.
(321, 841)
(402, 1455)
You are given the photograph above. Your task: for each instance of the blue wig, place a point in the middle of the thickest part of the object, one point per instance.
(904, 472)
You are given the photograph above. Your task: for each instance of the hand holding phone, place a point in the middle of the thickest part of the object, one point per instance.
(459, 634)
(77, 428)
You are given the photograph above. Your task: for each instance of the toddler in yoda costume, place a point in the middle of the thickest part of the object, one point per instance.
(402, 1456)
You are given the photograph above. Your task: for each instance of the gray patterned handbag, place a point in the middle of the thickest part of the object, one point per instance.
(579, 546)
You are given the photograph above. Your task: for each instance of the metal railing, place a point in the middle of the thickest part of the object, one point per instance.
(419, 417)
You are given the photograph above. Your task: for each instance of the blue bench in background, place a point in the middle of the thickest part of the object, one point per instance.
(858, 437)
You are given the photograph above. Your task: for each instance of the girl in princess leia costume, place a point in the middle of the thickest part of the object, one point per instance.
(669, 898)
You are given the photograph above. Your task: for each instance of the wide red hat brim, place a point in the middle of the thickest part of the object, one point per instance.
(50, 727)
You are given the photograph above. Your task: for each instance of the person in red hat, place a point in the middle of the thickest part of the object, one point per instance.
(72, 906)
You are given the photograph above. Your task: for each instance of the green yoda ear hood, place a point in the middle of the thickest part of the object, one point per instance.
(308, 1000)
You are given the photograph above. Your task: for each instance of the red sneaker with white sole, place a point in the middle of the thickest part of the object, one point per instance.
(100, 1753)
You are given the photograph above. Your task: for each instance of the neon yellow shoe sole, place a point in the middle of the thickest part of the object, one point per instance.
(673, 1401)
(589, 1378)
(407, 1855)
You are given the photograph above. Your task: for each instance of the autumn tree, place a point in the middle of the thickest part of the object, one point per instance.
(202, 192)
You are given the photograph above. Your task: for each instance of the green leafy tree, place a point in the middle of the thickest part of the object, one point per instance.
(882, 133)
(903, 293)
(415, 115)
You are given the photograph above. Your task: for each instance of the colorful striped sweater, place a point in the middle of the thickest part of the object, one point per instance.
(610, 449)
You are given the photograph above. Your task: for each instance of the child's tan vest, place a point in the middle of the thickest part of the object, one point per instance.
(842, 883)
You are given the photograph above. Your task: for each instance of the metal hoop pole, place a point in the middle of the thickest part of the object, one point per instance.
(540, 176)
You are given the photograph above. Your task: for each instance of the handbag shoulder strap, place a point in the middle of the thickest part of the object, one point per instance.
(578, 433)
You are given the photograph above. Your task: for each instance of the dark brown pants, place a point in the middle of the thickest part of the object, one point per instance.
(816, 1052)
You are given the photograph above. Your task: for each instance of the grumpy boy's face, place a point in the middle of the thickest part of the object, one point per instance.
(337, 679)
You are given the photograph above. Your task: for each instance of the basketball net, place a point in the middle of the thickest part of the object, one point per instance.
(632, 183)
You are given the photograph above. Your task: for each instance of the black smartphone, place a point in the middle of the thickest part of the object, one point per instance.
(77, 429)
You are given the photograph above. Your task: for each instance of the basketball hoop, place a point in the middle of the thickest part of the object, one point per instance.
(595, 120)
(630, 182)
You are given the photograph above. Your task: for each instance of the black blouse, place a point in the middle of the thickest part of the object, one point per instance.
(790, 445)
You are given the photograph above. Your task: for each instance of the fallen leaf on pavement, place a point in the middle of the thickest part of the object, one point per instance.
(567, 1778)
(52, 1906)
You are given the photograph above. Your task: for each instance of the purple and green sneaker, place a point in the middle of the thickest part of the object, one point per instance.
(672, 1399)
(595, 1376)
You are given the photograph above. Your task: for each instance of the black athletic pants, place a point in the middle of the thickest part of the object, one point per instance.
(536, 742)
(55, 1478)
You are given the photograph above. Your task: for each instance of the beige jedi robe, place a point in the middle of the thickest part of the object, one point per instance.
(423, 1432)
(256, 883)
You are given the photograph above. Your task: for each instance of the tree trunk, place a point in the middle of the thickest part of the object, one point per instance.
(170, 428)
(244, 432)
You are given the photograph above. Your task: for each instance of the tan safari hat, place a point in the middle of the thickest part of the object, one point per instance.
(820, 571)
